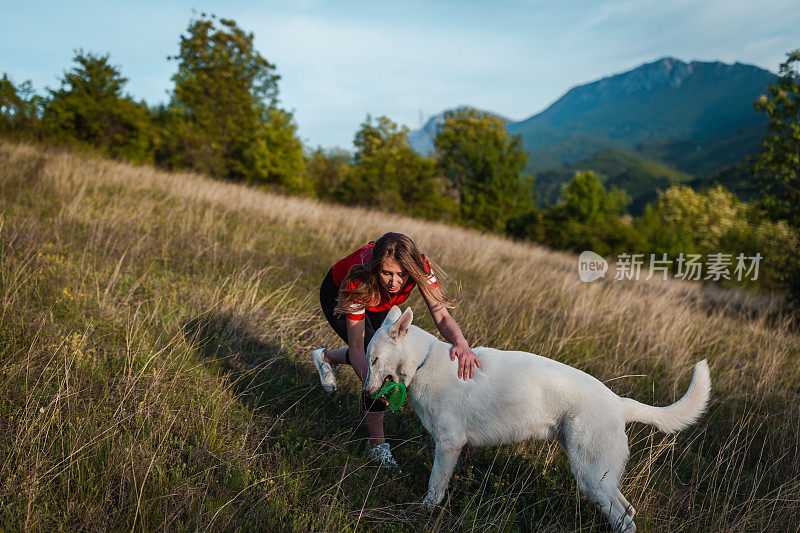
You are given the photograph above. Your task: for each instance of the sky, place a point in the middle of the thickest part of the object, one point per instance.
(407, 60)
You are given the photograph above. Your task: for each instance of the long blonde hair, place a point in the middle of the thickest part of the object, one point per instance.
(407, 255)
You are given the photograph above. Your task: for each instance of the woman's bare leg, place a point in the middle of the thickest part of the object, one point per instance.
(374, 423)
(373, 420)
(336, 357)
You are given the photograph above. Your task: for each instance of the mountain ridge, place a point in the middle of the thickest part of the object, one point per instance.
(666, 100)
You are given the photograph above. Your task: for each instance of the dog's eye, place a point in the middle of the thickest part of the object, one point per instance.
(374, 360)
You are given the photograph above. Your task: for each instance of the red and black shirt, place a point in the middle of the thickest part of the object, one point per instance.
(356, 310)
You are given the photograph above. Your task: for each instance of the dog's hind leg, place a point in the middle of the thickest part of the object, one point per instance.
(444, 461)
(619, 514)
(598, 449)
(626, 504)
(598, 486)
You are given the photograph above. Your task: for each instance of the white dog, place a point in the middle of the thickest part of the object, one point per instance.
(520, 396)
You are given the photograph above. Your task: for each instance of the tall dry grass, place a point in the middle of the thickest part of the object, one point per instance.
(155, 330)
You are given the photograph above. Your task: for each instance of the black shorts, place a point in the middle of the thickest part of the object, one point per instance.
(328, 294)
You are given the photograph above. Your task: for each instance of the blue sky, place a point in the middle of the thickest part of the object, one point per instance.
(406, 60)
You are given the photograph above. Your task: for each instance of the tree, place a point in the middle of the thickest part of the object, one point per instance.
(327, 170)
(685, 221)
(425, 193)
(484, 165)
(276, 154)
(378, 165)
(225, 101)
(90, 109)
(779, 161)
(531, 225)
(585, 199)
(20, 107)
(589, 218)
(388, 174)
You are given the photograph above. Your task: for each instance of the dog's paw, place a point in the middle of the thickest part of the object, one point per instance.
(429, 502)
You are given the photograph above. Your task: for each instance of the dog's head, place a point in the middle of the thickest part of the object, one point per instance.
(387, 354)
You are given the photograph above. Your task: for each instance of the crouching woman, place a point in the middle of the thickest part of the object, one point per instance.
(356, 295)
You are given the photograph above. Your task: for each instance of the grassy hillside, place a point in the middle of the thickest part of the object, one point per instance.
(640, 177)
(737, 178)
(154, 340)
(704, 158)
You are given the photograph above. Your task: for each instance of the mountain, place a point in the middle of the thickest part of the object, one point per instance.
(697, 117)
(421, 140)
(640, 177)
(643, 130)
(666, 100)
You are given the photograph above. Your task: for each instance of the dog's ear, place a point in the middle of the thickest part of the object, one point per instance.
(400, 327)
(393, 315)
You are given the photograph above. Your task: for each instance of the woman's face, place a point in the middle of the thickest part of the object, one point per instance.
(392, 276)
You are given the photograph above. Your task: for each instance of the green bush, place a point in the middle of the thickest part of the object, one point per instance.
(715, 221)
(20, 107)
(590, 218)
(276, 155)
(90, 110)
(327, 170)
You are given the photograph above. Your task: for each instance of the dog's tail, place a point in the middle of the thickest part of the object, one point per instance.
(680, 414)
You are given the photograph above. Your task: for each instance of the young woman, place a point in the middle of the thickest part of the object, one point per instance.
(356, 295)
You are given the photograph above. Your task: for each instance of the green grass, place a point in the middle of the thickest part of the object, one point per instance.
(154, 339)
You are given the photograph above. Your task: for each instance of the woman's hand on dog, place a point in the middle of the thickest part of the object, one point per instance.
(467, 360)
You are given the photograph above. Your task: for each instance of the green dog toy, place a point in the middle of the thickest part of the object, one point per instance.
(395, 394)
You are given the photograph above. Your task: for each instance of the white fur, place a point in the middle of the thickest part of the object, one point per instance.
(520, 396)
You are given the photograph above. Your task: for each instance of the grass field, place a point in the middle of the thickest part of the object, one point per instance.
(154, 339)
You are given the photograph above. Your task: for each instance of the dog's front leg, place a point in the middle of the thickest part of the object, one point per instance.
(444, 461)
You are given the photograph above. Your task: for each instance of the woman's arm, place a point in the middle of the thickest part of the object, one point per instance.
(448, 327)
(355, 347)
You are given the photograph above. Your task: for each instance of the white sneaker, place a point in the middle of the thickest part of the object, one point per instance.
(327, 372)
(381, 454)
